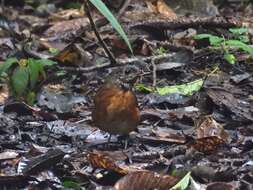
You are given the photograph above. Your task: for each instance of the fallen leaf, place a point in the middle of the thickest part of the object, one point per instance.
(100, 160)
(206, 144)
(207, 126)
(165, 10)
(145, 180)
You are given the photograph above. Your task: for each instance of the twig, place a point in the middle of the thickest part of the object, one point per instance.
(120, 62)
(154, 72)
(109, 54)
(2, 5)
(124, 6)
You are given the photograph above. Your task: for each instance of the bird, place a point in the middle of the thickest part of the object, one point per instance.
(116, 109)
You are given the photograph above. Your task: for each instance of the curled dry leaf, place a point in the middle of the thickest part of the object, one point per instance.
(161, 8)
(100, 160)
(206, 144)
(74, 55)
(151, 7)
(165, 10)
(207, 126)
(145, 180)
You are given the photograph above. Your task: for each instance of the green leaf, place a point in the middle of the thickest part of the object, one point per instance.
(72, 185)
(216, 41)
(34, 71)
(239, 45)
(109, 16)
(72, 5)
(183, 183)
(202, 36)
(7, 64)
(143, 88)
(161, 51)
(186, 89)
(30, 98)
(244, 39)
(238, 30)
(60, 73)
(19, 80)
(46, 62)
(230, 58)
(213, 40)
(54, 51)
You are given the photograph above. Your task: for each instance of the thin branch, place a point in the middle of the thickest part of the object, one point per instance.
(124, 6)
(121, 62)
(93, 25)
(154, 73)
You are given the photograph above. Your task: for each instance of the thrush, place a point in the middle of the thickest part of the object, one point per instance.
(115, 109)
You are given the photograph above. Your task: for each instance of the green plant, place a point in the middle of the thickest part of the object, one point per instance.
(161, 51)
(239, 41)
(186, 89)
(72, 185)
(72, 5)
(183, 183)
(54, 51)
(113, 21)
(23, 75)
(240, 34)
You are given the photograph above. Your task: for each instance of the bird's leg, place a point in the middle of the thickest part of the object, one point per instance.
(109, 139)
(126, 142)
(107, 145)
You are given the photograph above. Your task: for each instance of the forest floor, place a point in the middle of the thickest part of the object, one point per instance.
(192, 75)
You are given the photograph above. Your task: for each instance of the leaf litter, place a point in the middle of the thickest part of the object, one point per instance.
(195, 106)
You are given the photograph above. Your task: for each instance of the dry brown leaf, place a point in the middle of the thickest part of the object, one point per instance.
(206, 144)
(73, 55)
(67, 56)
(151, 7)
(145, 180)
(220, 185)
(4, 93)
(101, 160)
(66, 15)
(165, 137)
(165, 10)
(207, 126)
(62, 28)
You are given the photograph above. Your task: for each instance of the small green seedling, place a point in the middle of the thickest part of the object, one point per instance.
(54, 51)
(161, 51)
(241, 34)
(23, 76)
(239, 41)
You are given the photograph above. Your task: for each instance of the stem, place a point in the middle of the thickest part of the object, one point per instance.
(101, 41)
